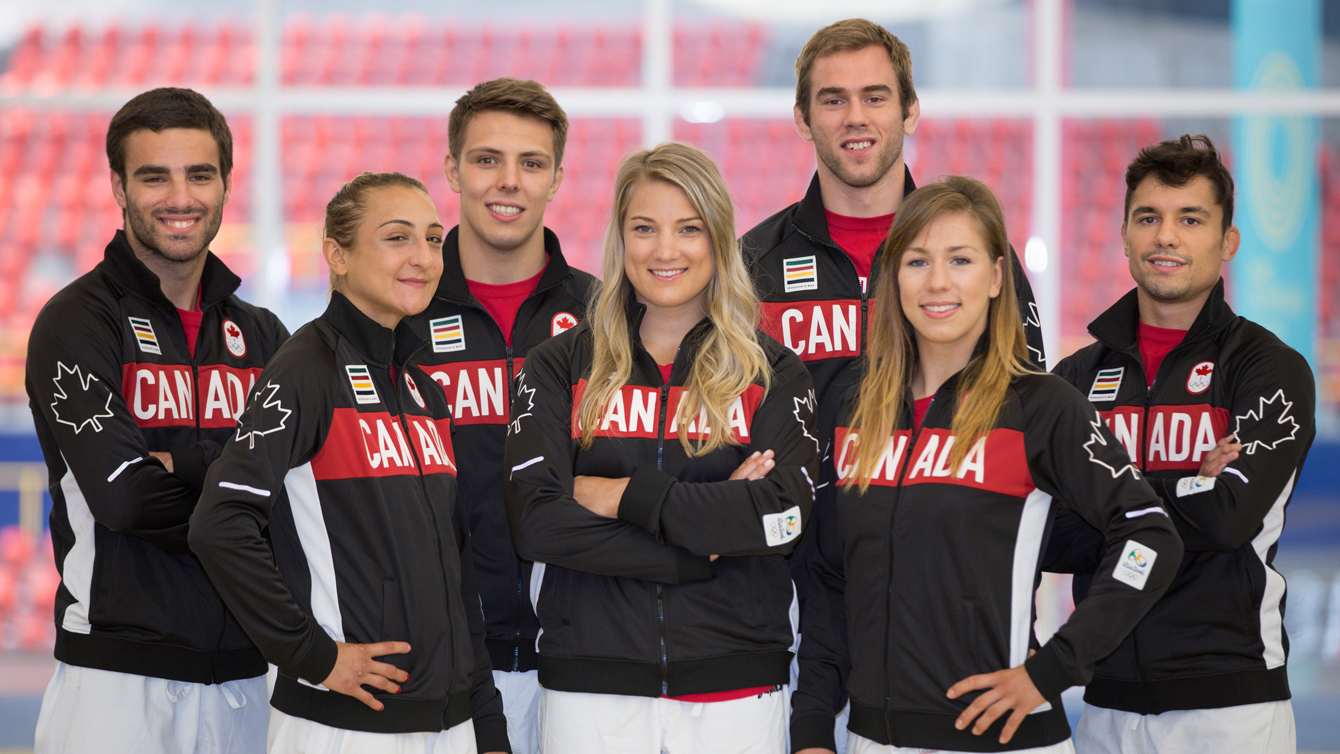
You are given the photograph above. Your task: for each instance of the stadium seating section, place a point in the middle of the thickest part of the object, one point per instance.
(28, 581)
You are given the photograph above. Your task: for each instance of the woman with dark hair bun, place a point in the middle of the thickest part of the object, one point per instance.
(367, 604)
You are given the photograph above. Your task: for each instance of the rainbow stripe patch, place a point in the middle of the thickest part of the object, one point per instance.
(1106, 385)
(448, 334)
(144, 333)
(800, 274)
(360, 379)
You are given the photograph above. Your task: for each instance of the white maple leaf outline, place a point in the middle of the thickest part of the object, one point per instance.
(807, 402)
(1036, 321)
(515, 427)
(1258, 415)
(1097, 437)
(84, 383)
(270, 402)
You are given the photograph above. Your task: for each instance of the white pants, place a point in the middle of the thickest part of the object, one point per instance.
(839, 723)
(89, 710)
(295, 735)
(521, 701)
(860, 745)
(572, 723)
(1265, 728)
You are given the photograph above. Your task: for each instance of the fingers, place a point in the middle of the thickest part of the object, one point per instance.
(756, 466)
(382, 669)
(378, 681)
(971, 683)
(381, 649)
(978, 706)
(997, 708)
(1012, 725)
(366, 698)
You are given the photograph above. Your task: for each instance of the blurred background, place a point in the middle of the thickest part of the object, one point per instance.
(1046, 100)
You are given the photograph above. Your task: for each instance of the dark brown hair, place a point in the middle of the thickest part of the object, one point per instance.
(524, 98)
(844, 36)
(1175, 162)
(345, 211)
(168, 107)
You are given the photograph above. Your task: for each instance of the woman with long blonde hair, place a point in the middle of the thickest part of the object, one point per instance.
(946, 459)
(660, 473)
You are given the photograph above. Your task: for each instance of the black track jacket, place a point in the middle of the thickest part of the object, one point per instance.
(632, 605)
(1217, 638)
(813, 302)
(929, 577)
(474, 365)
(345, 452)
(110, 377)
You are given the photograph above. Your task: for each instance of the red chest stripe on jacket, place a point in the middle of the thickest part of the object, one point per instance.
(165, 395)
(635, 410)
(815, 329)
(1178, 436)
(476, 390)
(373, 444)
(997, 463)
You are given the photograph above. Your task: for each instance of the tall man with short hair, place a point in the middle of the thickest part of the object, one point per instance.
(812, 262)
(136, 375)
(1217, 413)
(505, 288)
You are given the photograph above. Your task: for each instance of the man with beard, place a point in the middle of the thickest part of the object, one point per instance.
(812, 262)
(136, 375)
(1217, 413)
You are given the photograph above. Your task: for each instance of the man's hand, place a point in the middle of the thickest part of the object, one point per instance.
(755, 466)
(164, 457)
(356, 668)
(1223, 453)
(1005, 690)
(598, 494)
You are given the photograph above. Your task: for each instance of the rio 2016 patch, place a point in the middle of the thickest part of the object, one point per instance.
(1199, 379)
(1134, 565)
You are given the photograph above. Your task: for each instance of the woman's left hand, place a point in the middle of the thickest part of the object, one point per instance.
(598, 494)
(1004, 690)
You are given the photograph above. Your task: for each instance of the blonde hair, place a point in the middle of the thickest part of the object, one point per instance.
(892, 356)
(345, 210)
(729, 357)
(848, 36)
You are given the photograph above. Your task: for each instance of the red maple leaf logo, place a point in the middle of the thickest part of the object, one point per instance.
(1204, 371)
(233, 332)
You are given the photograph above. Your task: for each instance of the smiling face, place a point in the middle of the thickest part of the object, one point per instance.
(667, 250)
(946, 280)
(856, 119)
(1174, 239)
(173, 193)
(506, 175)
(393, 268)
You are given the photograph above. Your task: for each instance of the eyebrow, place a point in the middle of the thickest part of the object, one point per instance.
(499, 152)
(695, 218)
(1192, 210)
(872, 89)
(203, 167)
(951, 249)
(405, 223)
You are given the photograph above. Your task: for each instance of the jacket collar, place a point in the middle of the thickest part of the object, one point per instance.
(1116, 327)
(119, 262)
(379, 345)
(688, 347)
(454, 288)
(810, 218)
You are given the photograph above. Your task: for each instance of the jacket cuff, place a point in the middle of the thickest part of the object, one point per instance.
(1048, 673)
(813, 731)
(191, 462)
(642, 497)
(692, 567)
(315, 666)
(491, 735)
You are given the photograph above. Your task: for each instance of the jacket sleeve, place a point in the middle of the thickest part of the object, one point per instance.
(548, 525)
(279, 428)
(740, 517)
(1074, 546)
(74, 384)
(1028, 312)
(487, 706)
(1073, 457)
(825, 663)
(1273, 416)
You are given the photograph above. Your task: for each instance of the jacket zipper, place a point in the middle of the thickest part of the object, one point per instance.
(869, 281)
(660, 592)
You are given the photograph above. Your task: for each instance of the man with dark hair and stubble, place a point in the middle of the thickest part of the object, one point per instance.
(814, 261)
(136, 374)
(1217, 413)
(505, 289)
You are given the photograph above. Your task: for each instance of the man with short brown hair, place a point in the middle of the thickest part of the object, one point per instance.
(505, 288)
